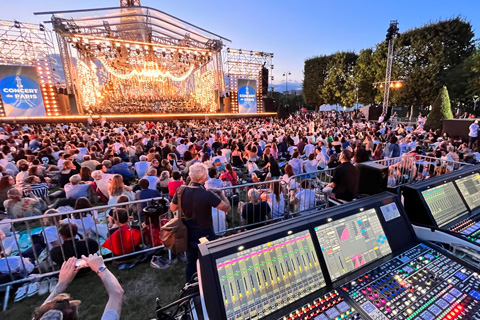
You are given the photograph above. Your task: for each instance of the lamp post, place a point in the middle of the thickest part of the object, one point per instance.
(356, 95)
(286, 74)
(475, 100)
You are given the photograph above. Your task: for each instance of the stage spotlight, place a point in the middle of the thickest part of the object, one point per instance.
(16, 24)
(42, 27)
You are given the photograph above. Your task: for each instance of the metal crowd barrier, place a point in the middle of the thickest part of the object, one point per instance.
(408, 169)
(296, 195)
(27, 248)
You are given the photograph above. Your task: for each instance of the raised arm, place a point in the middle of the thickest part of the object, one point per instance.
(113, 287)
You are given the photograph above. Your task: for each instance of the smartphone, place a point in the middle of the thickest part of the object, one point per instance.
(80, 263)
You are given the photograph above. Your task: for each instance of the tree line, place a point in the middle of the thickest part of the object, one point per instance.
(425, 59)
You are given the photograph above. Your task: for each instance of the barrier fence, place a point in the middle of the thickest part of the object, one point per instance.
(286, 198)
(411, 168)
(35, 247)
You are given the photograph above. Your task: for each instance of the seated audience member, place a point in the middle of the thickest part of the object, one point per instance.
(89, 163)
(121, 168)
(173, 185)
(344, 180)
(275, 200)
(163, 181)
(23, 173)
(142, 166)
(230, 175)
(152, 233)
(99, 181)
(50, 230)
(145, 193)
(306, 196)
(255, 211)
(18, 207)
(72, 247)
(118, 188)
(86, 174)
(296, 163)
(213, 182)
(60, 305)
(125, 239)
(6, 183)
(152, 178)
(77, 188)
(333, 162)
(35, 186)
(85, 221)
(219, 166)
(69, 169)
(288, 178)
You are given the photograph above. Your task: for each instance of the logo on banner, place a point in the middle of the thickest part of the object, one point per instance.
(21, 92)
(247, 97)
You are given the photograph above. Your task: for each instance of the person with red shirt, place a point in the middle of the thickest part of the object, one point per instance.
(173, 185)
(229, 175)
(125, 239)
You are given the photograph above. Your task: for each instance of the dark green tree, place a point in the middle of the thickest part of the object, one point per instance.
(441, 110)
(338, 87)
(473, 65)
(364, 77)
(315, 72)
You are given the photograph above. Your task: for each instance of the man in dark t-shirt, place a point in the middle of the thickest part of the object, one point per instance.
(345, 177)
(72, 247)
(197, 204)
(255, 211)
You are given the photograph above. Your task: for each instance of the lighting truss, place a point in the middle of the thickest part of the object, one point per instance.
(246, 64)
(31, 45)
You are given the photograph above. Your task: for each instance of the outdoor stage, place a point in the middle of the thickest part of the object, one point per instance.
(134, 117)
(126, 62)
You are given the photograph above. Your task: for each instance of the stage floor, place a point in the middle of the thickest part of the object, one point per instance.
(135, 117)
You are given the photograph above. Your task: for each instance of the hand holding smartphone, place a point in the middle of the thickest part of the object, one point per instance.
(81, 263)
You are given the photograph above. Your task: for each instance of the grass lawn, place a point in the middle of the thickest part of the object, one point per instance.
(142, 285)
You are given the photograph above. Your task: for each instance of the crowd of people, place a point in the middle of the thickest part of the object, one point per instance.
(56, 168)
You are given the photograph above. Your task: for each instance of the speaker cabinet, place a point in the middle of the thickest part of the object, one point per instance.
(372, 178)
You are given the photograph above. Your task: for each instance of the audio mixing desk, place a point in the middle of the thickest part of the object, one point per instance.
(361, 260)
(446, 209)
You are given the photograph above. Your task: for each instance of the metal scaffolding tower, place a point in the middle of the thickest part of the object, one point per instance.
(391, 34)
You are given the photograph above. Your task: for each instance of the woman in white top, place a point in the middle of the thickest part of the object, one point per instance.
(118, 188)
(287, 177)
(85, 221)
(275, 200)
(306, 197)
(311, 164)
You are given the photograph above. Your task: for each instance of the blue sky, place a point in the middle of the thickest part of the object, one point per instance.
(292, 30)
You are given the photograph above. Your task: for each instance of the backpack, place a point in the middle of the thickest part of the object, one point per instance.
(174, 232)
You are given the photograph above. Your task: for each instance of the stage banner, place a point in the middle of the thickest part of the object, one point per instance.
(21, 92)
(247, 96)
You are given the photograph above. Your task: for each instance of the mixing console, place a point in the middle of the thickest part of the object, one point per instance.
(469, 187)
(359, 261)
(444, 203)
(420, 284)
